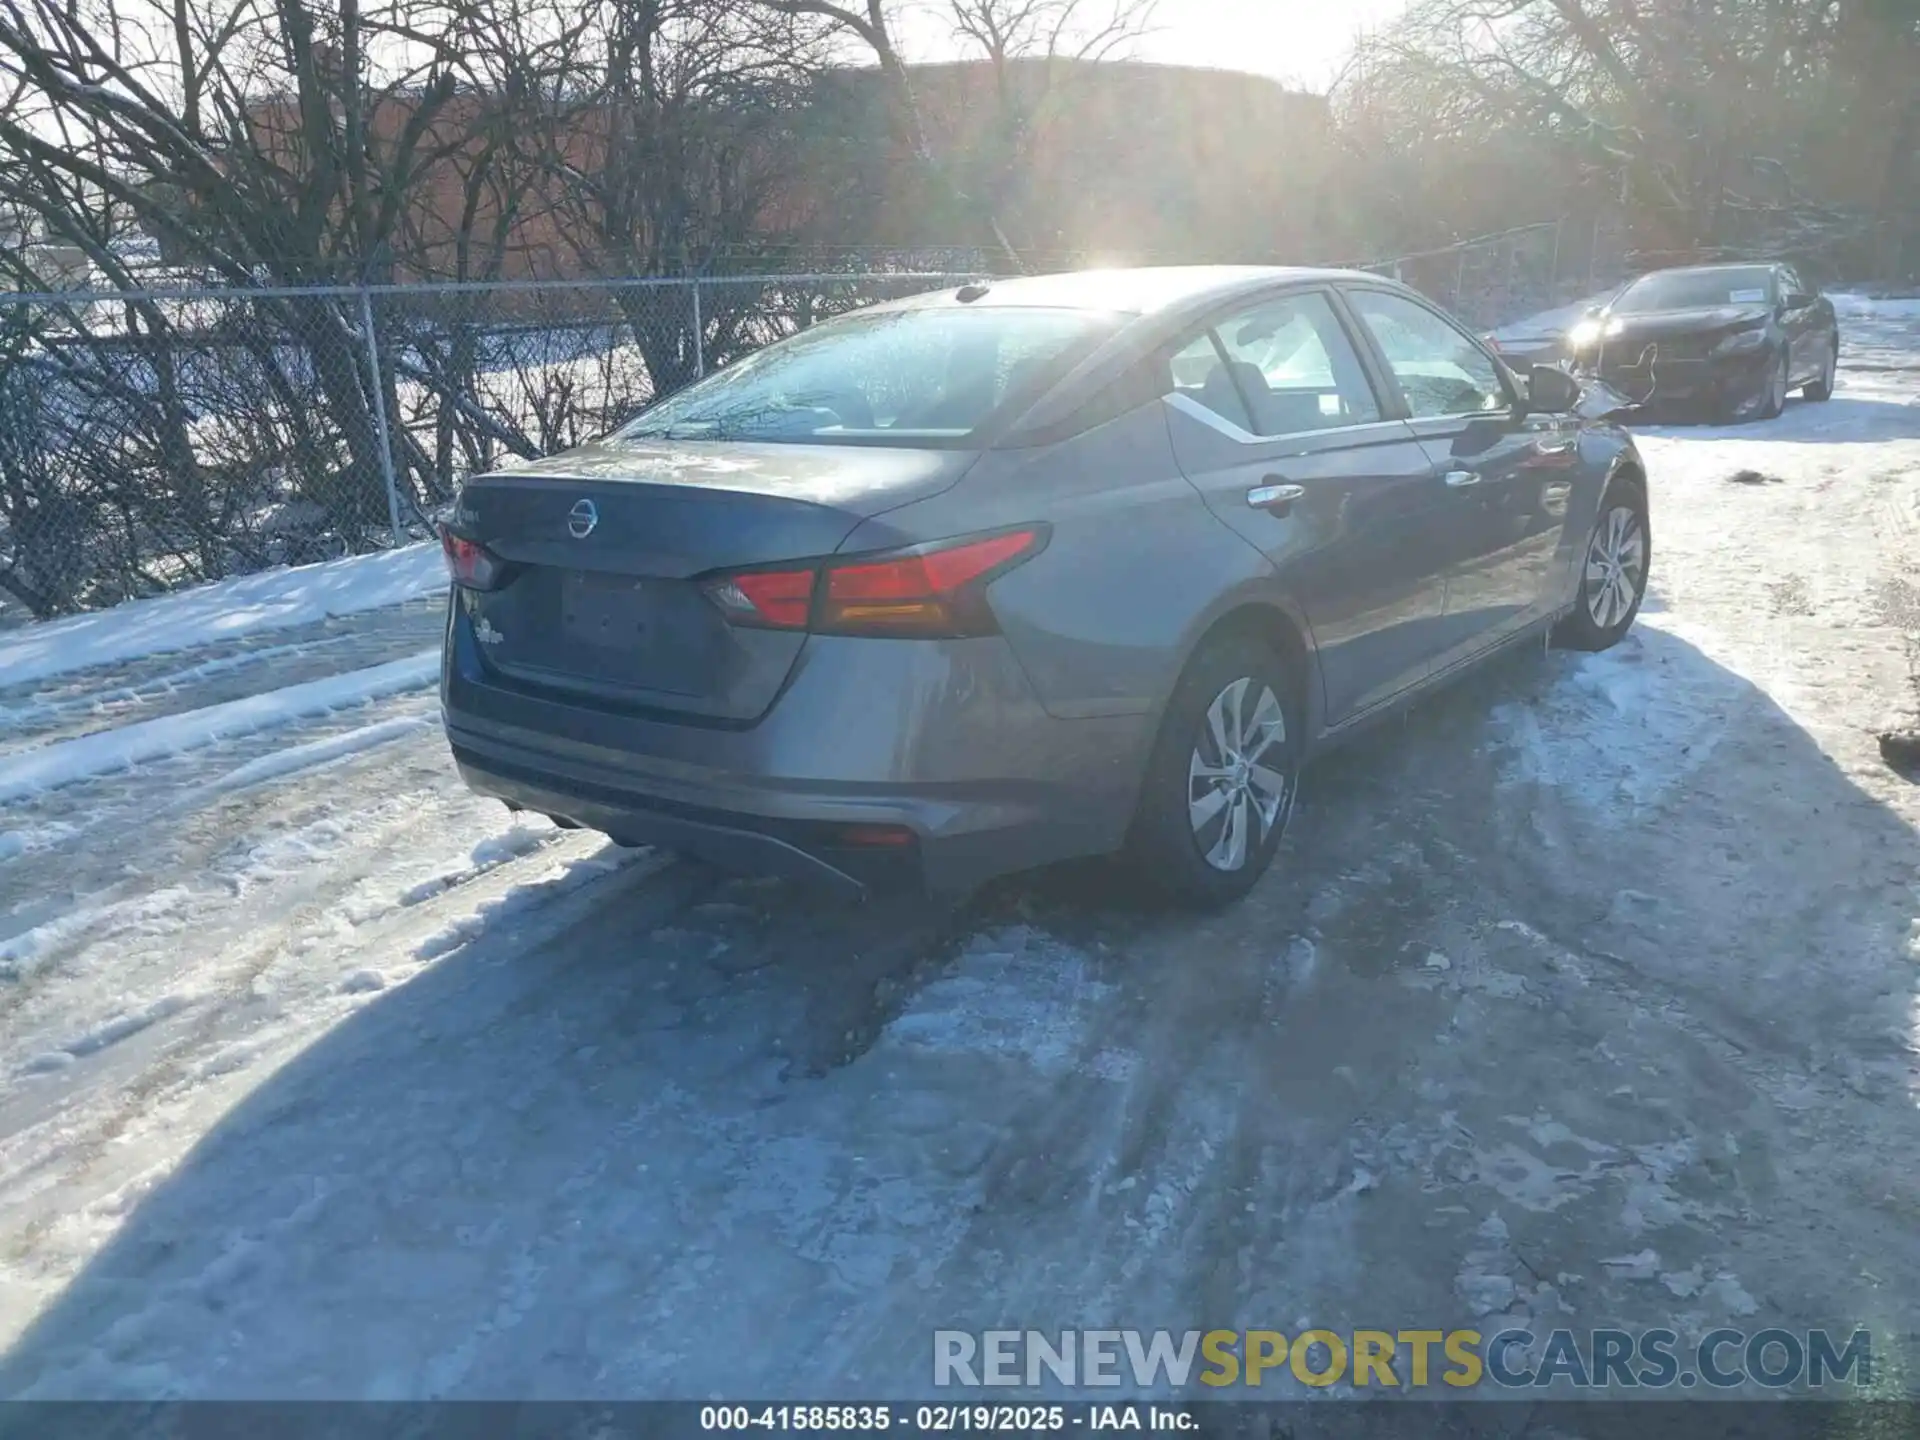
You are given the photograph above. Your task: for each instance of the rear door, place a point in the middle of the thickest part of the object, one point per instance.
(1504, 478)
(1276, 421)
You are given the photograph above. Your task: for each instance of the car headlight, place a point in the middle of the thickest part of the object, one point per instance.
(1591, 332)
(1742, 341)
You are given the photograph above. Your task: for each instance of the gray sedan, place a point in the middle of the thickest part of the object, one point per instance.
(1025, 571)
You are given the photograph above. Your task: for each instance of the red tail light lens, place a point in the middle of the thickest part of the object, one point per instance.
(930, 591)
(771, 599)
(933, 591)
(876, 837)
(470, 563)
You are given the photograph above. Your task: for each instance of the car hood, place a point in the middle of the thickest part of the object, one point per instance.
(856, 479)
(1701, 321)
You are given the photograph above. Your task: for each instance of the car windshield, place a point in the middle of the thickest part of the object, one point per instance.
(920, 377)
(1696, 290)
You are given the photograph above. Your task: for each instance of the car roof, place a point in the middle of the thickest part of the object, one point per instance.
(1147, 290)
(1718, 265)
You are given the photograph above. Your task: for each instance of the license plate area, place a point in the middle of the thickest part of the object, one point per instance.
(652, 640)
(606, 612)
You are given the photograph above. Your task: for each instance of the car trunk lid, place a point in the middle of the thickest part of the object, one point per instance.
(608, 545)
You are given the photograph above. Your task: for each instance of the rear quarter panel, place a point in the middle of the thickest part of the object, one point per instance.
(1136, 563)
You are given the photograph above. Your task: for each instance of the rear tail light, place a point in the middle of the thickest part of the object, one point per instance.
(772, 599)
(939, 590)
(875, 837)
(936, 590)
(470, 563)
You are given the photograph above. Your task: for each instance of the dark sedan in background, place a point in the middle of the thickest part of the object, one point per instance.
(1728, 340)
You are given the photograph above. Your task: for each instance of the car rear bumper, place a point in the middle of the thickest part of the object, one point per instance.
(754, 845)
(941, 742)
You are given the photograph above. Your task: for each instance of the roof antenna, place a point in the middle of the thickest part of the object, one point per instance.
(973, 290)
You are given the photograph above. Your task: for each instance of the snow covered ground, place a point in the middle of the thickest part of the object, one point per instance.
(319, 1077)
(228, 610)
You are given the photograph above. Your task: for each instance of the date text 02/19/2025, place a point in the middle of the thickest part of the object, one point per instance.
(946, 1419)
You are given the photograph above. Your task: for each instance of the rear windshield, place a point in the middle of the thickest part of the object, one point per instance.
(921, 378)
(1697, 290)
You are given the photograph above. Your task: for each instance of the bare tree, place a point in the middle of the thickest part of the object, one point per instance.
(1684, 113)
(1030, 45)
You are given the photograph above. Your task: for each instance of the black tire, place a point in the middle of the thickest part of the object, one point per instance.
(1597, 622)
(1822, 389)
(1776, 405)
(1163, 847)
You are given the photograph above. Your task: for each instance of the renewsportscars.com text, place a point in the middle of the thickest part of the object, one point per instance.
(1599, 1359)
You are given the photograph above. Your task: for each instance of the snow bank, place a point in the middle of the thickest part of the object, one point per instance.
(225, 610)
(110, 750)
(1867, 307)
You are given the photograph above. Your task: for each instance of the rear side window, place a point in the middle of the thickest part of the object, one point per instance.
(1440, 370)
(927, 377)
(1200, 373)
(1283, 367)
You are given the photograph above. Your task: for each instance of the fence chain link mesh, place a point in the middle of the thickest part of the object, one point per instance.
(155, 439)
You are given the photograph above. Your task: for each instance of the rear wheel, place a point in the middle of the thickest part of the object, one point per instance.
(1822, 389)
(1220, 784)
(1613, 576)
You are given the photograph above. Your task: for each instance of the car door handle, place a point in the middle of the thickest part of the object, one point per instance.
(1460, 479)
(1275, 496)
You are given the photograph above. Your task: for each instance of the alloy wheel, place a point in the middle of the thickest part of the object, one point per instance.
(1234, 795)
(1616, 566)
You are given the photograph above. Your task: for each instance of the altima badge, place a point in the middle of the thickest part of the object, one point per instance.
(581, 519)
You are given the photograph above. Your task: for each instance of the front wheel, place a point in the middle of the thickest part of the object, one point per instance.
(1220, 783)
(1613, 577)
(1777, 387)
(1822, 389)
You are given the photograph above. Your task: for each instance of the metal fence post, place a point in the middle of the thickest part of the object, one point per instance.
(699, 334)
(379, 392)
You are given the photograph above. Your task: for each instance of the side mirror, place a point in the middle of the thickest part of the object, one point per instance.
(1551, 390)
(1796, 300)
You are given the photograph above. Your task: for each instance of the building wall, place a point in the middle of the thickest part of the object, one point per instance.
(1073, 162)
(1131, 162)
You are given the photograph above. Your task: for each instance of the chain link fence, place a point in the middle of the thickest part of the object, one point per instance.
(159, 438)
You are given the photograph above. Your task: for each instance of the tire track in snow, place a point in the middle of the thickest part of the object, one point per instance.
(150, 687)
(108, 752)
(209, 1047)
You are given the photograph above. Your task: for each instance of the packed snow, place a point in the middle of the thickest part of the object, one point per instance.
(107, 751)
(271, 600)
(1589, 991)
